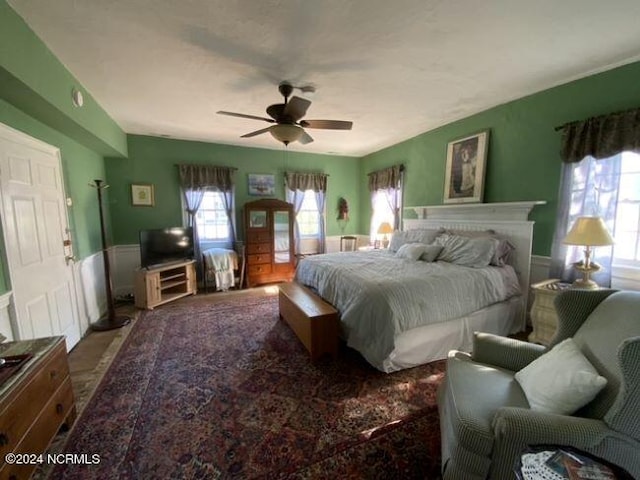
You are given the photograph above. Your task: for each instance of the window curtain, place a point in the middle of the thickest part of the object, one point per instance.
(590, 178)
(390, 181)
(299, 182)
(195, 180)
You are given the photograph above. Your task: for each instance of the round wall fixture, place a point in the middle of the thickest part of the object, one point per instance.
(77, 98)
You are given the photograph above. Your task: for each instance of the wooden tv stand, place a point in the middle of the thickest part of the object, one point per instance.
(165, 283)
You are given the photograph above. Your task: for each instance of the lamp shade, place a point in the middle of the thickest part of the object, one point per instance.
(385, 228)
(588, 231)
(285, 132)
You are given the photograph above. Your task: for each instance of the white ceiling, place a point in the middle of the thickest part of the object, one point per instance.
(394, 68)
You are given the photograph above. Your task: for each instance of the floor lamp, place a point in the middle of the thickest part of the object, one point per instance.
(111, 320)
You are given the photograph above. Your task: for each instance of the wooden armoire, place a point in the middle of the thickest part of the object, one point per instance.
(268, 234)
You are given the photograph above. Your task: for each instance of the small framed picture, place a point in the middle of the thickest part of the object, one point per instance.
(465, 169)
(142, 195)
(262, 185)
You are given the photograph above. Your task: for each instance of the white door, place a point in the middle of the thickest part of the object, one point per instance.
(34, 220)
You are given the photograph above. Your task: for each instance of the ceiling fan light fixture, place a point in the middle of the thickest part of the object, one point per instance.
(286, 133)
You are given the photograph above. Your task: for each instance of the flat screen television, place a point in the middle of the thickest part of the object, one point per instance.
(165, 245)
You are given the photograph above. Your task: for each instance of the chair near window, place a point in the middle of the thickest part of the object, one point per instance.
(348, 243)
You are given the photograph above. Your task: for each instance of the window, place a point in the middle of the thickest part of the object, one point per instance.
(609, 188)
(212, 219)
(382, 212)
(308, 217)
(626, 233)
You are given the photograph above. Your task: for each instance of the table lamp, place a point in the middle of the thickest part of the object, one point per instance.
(588, 232)
(385, 229)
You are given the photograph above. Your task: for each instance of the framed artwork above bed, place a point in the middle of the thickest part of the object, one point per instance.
(465, 168)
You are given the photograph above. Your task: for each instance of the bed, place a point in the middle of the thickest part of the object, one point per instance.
(400, 313)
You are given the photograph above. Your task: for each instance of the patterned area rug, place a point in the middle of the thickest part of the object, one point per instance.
(208, 390)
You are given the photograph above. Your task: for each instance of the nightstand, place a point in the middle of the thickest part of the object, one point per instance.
(544, 318)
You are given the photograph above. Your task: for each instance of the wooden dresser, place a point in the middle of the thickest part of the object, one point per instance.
(268, 234)
(34, 402)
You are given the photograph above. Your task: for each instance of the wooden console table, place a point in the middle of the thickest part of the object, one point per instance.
(34, 402)
(154, 287)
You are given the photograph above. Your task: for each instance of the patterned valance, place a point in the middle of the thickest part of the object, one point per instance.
(196, 177)
(306, 181)
(601, 137)
(386, 178)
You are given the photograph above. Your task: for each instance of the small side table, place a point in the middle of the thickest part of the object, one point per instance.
(544, 318)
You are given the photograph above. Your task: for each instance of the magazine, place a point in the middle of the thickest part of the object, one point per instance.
(578, 467)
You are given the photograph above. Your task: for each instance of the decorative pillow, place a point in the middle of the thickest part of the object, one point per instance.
(466, 251)
(411, 251)
(431, 252)
(504, 249)
(561, 380)
(425, 236)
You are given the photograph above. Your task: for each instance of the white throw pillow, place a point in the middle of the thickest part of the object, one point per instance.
(411, 251)
(561, 380)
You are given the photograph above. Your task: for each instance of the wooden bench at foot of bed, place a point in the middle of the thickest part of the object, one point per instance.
(313, 320)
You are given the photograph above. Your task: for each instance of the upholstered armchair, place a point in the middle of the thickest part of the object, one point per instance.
(486, 420)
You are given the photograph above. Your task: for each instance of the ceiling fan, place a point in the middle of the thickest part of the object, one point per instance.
(286, 117)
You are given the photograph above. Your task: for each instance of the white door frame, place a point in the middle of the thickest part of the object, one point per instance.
(26, 140)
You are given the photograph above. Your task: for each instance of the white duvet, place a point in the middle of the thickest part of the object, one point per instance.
(380, 296)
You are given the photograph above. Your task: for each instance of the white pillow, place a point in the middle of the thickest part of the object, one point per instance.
(431, 252)
(561, 380)
(411, 251)
(466, 251)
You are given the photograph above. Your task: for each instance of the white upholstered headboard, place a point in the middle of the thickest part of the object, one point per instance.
(510, 219)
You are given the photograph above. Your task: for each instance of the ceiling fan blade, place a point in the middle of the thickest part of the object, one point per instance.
(296, 108)
(257, 132)
(327, 124)
(305, 138)
(242, 115)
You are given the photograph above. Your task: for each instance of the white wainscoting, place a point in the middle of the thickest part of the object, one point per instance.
(539, 268)
(125, 259)
(622, 278)
(333, 242)
(92, 298)
(91, 289)
(6, 315)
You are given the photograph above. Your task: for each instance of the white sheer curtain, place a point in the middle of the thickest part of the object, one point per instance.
(295, 198)
(320, 202)
(588, 188)
(297, 183)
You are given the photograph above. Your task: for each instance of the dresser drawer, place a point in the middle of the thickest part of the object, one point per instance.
(57, 408)
(258, 259)
(258, 248)
(259, 237)
(17, 416)
(259, 269)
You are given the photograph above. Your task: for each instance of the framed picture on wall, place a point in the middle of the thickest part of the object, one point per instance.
(142, 195)
(465, 168)
(262, 185)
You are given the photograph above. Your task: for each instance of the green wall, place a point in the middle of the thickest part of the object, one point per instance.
(80, 166)
(153, 160)
(523, 161)
(34, 80)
